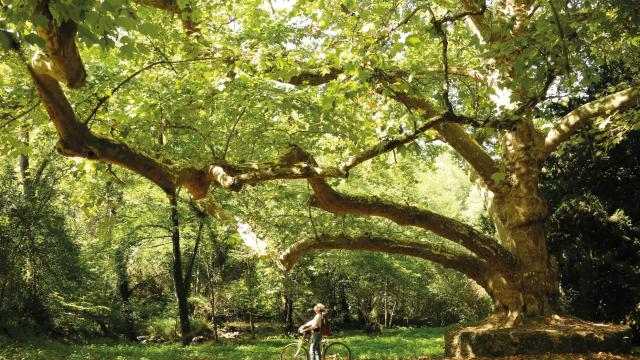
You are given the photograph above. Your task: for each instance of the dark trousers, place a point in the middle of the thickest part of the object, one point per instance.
(314, 350)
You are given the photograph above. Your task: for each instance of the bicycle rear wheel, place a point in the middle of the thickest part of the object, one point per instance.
(294, 351)
(337, 351)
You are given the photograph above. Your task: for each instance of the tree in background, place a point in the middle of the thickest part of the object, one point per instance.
(40, 268)
(593, 230)
(591, 184)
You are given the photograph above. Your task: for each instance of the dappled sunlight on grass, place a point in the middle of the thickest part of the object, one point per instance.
(392, 344)
(398, 344)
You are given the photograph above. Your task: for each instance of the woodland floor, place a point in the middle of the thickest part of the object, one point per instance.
(396, 344)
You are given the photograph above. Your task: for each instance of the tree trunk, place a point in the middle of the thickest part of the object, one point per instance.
(519, 216)
(252, 325)
(124, 289)
(344, 305)
(192, 259)
(179, 284)
(288, 314)
(23, 164)
(212, 285)
(386, 303)
(3, 287)
(393, 311)
(213, 316)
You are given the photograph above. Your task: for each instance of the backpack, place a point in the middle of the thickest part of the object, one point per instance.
(325, 326)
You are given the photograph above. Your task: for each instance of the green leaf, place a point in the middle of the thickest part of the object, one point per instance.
(150, 29)
(126, 22)
(87, 36)
(397, 47)
(34, 39)
(412, 40)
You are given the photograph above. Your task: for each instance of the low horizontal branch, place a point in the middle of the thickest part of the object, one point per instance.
(484, 246)
(466, 263)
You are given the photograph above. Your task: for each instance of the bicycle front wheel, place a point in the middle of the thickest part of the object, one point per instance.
(337, 351)
(294, 351)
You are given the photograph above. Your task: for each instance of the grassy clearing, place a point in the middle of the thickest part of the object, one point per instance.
(392, 344)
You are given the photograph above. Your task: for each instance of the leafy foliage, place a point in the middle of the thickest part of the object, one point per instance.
(594, 229)
(38, 258)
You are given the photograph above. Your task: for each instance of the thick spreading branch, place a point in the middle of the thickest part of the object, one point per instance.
(482, 245)
(466, 263)
(294, 164)
(75, 139)
(604, 106)
(457, 138)
(330, 200)
(62, 61)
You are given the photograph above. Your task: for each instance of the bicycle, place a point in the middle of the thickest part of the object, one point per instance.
(333, 350)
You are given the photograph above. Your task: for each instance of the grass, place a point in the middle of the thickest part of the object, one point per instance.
(393, 344)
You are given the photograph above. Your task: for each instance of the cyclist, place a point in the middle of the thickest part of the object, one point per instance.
(314, 326)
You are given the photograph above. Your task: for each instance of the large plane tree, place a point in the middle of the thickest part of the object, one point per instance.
(485, 78)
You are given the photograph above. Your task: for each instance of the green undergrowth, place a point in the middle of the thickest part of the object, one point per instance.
(392, 344)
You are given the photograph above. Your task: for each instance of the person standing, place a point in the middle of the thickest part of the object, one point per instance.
(314, 326)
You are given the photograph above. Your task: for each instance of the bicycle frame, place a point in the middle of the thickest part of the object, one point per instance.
(300, 346)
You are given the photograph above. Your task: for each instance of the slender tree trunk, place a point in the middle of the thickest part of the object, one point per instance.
(179, 284)
(288, 314)
(252, 325)
(212, 298)
(2, 290)
(393, 310)
(192, 259)
(213, 291)
(196, 288)
(213, 315)
(386, 312)
(23, 165)
(344, 305)
(124, 289)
